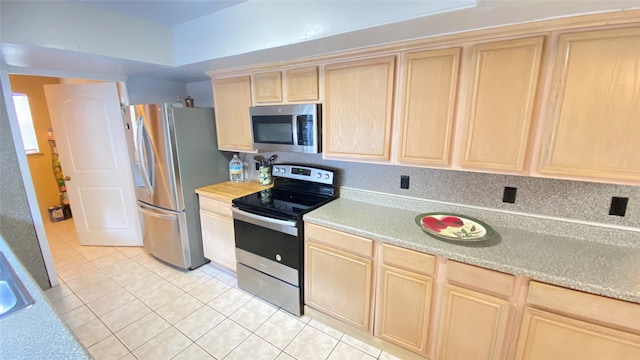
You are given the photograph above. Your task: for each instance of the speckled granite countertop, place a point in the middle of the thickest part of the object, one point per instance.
(599, 268)
(35, 332)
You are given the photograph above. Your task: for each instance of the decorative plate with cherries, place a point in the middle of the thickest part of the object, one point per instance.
(454, 227)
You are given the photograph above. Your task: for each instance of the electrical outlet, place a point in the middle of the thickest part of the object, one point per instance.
(618, 206)
(404, 181)
(509, 195)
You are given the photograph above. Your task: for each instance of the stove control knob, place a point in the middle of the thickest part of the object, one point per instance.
(283, 170)
(276, 170)
(278, 257)
(319, 175)
(326, 176)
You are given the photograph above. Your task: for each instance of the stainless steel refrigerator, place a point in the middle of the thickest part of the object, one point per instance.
(173, 151)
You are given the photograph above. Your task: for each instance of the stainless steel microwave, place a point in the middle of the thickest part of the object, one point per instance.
(290, 128)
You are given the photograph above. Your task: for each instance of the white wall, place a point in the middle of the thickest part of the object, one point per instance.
(151, 91)
(201, 92)
(68, 36)
(75, 27)
(257, 25)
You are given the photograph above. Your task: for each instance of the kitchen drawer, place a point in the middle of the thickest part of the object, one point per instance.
(214, 206)
(339, 240)
(408, 259)
(483, 280)
(575, 303)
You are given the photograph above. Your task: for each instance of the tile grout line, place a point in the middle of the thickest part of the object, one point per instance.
(221, 275)
(155, 310)
(131, 351)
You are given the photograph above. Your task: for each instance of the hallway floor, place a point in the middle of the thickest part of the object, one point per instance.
(121, 303)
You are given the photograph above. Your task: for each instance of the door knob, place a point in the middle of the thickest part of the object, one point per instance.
(67, 178)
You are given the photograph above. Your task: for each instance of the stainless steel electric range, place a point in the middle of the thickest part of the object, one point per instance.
(269, 233)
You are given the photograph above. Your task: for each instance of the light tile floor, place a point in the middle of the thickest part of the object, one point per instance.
(122, 303)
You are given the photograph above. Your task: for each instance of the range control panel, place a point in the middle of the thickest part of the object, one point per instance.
(305, 173)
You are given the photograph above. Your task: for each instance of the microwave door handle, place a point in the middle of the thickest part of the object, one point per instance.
(295, 130)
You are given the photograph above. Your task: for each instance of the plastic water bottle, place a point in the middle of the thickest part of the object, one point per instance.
(235, 169)
(245, 168)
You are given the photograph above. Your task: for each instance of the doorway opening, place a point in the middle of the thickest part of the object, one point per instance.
(48, 189)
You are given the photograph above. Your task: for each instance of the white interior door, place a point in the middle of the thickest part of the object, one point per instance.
(87, 123)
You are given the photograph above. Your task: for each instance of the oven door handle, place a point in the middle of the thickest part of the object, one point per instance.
(285, 226)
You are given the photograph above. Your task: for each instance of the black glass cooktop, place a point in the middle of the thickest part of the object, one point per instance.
(281, 203)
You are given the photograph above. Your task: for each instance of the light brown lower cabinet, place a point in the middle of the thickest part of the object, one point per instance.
(339, 282)
(563, 324)
(472, 325)
(403, 301)
(218, 242)
(442, 309)
(548, 336)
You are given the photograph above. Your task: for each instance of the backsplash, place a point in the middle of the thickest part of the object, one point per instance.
(576, 200)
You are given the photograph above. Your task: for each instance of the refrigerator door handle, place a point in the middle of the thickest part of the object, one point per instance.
(157, 214)
(142, 156)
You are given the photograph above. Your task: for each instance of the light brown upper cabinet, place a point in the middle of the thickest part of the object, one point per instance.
(593, 118)
(428, 108)
(503, 79)
(232, 99)
(267, 87)
(302, 84)
(358, 109)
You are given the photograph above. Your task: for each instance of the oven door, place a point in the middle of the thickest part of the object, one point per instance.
(268, 254)
(264, 243)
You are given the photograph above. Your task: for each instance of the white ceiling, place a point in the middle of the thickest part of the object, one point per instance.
(165, 12)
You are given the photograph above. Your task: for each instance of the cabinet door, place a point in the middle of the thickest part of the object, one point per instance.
(232, 99)
(267, 87)
(302, 84)
(549, 336)
(358, 109)
(472, 325)
(339, 284)
(404, 300)
(503, 79)
(593, 121)
(431, 83)
(218, 239)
